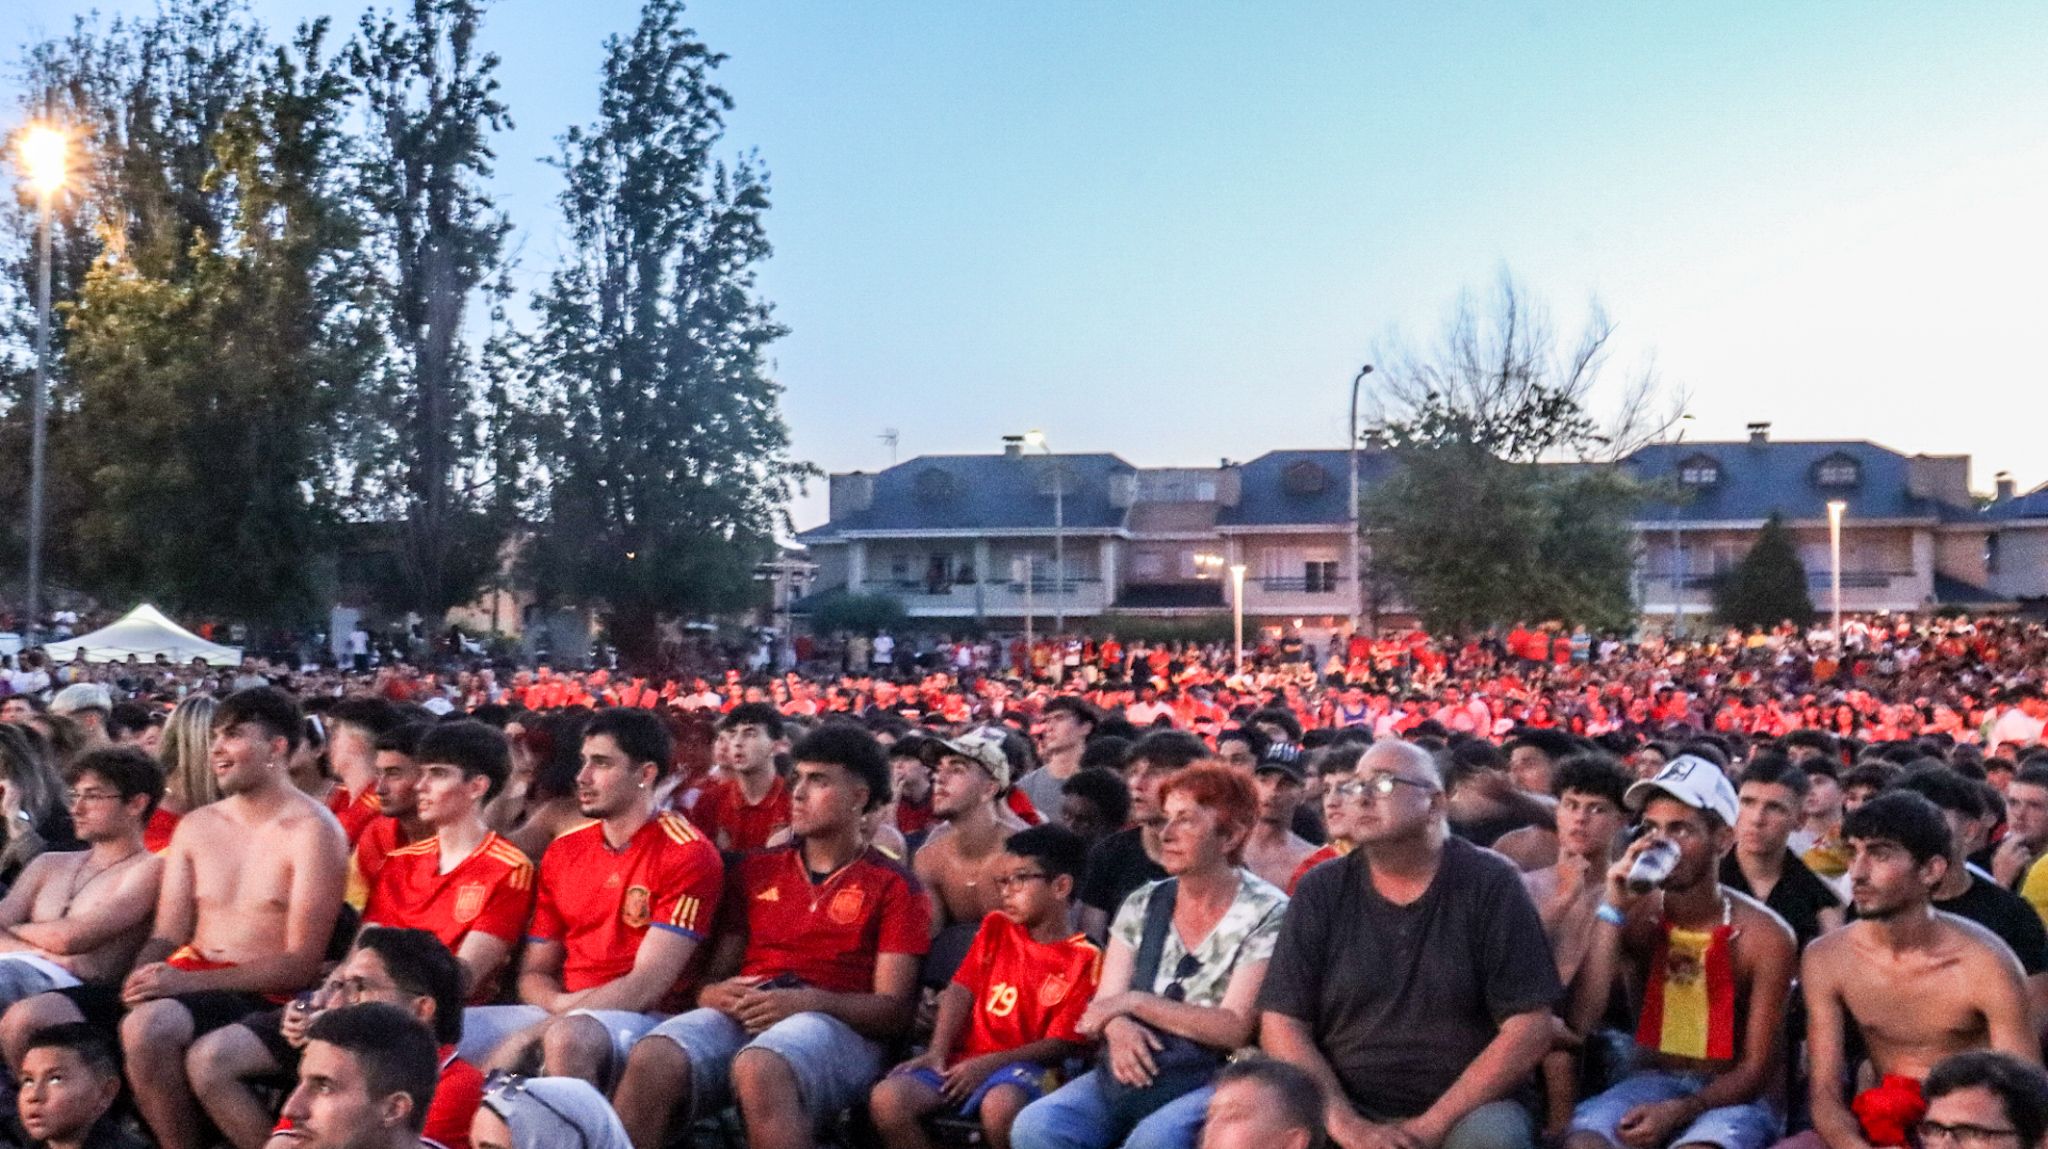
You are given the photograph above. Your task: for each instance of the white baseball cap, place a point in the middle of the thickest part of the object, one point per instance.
(1692, 780)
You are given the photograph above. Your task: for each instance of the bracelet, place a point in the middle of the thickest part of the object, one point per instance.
(1613, 917)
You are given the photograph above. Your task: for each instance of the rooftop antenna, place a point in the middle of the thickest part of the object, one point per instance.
(889, 436)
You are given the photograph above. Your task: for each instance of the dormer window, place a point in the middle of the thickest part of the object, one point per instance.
(1699, 471)
(1837, 472)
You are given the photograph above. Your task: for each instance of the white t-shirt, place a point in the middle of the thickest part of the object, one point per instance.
(2015, 728)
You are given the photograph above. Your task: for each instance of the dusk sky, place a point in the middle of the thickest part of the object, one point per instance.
(1174, 230)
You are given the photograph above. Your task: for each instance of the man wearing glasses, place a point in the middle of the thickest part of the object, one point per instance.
(79, 916)
(1412, 977)
(1984, 1100)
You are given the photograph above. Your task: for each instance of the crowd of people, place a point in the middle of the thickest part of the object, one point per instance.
(1535, 888)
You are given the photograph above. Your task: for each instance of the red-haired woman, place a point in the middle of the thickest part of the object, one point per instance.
(1165, 1036)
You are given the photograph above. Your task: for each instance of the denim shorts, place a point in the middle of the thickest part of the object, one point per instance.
(834, 1066)
(1753, 1125)
(1034, 1079)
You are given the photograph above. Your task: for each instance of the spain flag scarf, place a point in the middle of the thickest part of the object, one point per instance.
(1689, 1004)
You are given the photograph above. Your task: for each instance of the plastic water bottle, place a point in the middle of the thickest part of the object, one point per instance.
(1653, 865)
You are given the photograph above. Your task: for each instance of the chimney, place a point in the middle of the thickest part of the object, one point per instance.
(1013, 446)
(849, 495)
(2003, 484)
(1759, 433)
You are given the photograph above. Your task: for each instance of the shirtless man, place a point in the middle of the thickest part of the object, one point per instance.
(1273, 851)
(969, 774)
(1917, 983)
(80, 916)
(1705, 1046)
(252, 887)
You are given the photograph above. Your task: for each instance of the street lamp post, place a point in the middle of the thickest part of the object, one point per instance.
(43, 157)
(1835, 509)
(1237, 611)
(1059, 532)
(1357, 547)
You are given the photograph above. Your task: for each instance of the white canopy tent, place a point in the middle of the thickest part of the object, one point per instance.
(145, 633)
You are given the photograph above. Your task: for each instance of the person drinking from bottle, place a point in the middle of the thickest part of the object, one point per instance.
(1708, 969)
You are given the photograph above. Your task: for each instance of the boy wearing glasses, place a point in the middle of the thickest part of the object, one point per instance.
(1011, 1012)
(79, 916)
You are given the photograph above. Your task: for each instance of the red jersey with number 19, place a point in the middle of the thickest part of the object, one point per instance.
(488, 892)
(1024, 990)
(599, 902)
(828, 932)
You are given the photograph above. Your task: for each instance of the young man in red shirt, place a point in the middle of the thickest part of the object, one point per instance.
(397, 823)
(820, 969)
(749, 805)
(1012, 1011)
(353, 727)
(623, 904)
(464, 884)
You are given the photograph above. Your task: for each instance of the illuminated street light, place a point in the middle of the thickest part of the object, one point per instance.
(44, 159)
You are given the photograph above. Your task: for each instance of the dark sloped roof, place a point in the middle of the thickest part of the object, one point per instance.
(985, 492)
(2032, 505)
(1955, 592)
(1300, 488)
(1758, 479)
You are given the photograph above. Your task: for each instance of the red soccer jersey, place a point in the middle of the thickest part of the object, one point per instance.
(723, 814)
(357, 813)
(490, 892)
(599, 902)
(366, 861)
(1024, 990)
(828, 933)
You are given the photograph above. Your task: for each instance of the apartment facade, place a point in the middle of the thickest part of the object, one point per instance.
(997, 538)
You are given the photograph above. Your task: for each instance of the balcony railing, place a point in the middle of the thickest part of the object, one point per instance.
(1281, 584)
(1815, 580)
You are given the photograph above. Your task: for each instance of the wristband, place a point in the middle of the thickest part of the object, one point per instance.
(1613, 917)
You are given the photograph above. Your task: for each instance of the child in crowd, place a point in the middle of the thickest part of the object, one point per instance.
(1008, 1019)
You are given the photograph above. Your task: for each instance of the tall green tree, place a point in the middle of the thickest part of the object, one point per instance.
(1768, 586)
(214, 343)
(429, 107)
(1507, 502)
(668, 465)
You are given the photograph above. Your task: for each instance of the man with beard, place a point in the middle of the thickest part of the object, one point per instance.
(623, 904)
(365, 1082)
(79, 916)
(1917, 984)
(1713, 969)
(251, 889)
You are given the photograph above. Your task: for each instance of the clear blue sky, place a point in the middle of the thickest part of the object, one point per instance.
(1173, 230)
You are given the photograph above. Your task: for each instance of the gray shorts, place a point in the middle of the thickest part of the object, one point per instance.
(486, 1027)
(834, 1066)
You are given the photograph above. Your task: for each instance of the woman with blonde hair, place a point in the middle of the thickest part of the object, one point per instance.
(188, 776)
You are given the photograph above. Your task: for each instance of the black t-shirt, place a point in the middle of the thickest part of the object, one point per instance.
(2006, 914)
(2003, 913)
(1117, 866)
(1799, 896)
(1401, 999)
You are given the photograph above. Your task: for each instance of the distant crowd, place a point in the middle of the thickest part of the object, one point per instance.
(1533, 888)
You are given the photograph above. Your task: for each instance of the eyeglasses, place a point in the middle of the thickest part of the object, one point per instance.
(1928, 1134)
(356, 988)
(1378, 786)
(1007, 882)
(1189, 966)
(74, 797)
(503, 1083)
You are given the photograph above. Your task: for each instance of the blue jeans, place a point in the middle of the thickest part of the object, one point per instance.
(1075, 1116)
